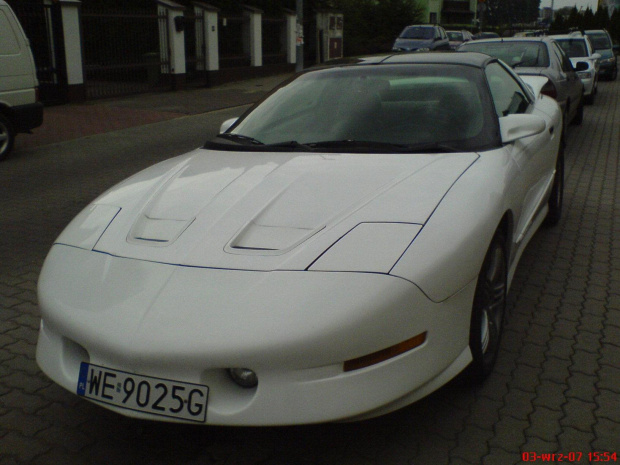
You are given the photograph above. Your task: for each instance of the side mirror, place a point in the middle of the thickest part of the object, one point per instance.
(597, 56)
(581, 66)
(227, 124)
(515, 127)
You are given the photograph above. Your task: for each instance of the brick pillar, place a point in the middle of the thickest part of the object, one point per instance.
(255, 34)
(176, 37)
(210, 45)
(70, 10)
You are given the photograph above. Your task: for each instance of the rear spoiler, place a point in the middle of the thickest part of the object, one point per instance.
(535, 83)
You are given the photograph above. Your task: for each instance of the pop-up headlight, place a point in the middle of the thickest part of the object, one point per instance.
(86, 228)
(369, 247)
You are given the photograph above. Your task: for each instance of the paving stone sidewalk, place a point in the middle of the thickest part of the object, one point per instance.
(72, 121)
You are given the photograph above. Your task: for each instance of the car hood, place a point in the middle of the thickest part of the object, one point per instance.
(261, 211)
(412, 44)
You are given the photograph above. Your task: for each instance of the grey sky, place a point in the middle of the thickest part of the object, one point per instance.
(562, 3)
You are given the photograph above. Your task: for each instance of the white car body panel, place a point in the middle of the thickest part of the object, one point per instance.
(292, 264)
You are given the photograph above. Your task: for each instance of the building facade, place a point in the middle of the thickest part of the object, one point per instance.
(449, 12)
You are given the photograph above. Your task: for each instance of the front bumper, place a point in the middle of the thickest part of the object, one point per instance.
(608, 69)
(294, 329)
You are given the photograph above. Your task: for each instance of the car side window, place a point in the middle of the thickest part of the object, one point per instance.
(563, 59)
(508, 96)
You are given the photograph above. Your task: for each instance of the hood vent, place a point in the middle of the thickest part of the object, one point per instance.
(269, 239)
(157, 232)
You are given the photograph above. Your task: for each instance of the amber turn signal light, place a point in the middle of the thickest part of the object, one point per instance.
(385, 354)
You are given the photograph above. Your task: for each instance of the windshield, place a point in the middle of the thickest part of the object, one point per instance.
(400, 106)
(574, 48)
(455, 35)
(424, 33)
(600, 41)
(514, 53)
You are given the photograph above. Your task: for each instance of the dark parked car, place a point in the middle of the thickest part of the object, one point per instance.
(422, 38)
(540, 56)
(603, 46)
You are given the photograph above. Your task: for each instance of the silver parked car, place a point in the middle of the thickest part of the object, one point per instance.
(540, 56)
(578, 48)
(459, 37)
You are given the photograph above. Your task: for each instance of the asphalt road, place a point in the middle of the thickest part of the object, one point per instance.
(555, 390)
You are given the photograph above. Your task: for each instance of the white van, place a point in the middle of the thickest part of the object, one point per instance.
(20, 108)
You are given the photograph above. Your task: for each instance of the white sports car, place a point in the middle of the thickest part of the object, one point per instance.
(341, 250)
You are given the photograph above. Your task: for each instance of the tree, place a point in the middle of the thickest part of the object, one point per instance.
(370, 26)
(601, 18)
(559, 25)
(574, 19)
(509, 12)
(614, 25)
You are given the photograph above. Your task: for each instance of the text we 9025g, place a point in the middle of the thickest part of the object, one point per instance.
(157, 396)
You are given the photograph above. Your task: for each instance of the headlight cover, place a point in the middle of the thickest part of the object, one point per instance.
(86, 228)
(369, 247)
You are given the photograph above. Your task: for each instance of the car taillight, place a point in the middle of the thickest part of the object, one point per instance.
(549, 90)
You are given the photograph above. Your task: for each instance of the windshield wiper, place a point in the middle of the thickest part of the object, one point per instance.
(385, 147)
(358, 145)
(239, 138)
(433, 147)
(291, 144)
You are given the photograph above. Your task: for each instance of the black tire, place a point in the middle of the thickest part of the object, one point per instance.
(556, 199)
(7, 136)
(489, 309)
(578, 119)
(614, 74)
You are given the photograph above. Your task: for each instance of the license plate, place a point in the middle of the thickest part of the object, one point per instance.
(157, 396)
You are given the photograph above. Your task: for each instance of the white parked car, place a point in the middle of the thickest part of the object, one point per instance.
(342, 250)
(578, 48)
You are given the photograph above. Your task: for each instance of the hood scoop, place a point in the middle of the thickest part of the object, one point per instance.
(157, 232)
(269, 239)
(177, 203)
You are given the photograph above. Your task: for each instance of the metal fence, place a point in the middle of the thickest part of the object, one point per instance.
(232, 50)
(125, 52)
(274, 40)
(195, 48)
